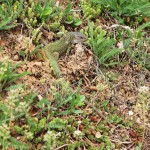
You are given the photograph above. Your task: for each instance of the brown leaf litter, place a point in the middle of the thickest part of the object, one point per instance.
(79, 65)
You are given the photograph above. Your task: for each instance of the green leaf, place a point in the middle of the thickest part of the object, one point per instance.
(105, 104)
(66, 112)
(16, 86)
(3, 107)
(77, 22)
(69, 19)
(36, 49)
(47, 11)
(22, 53)
(80, 100)
(39, 8)
(42, 102)
(16, 76)
(57, 123)
(8, 16)
(18, 129)
(96, 1)
(139, 146)
(32, 123)
(42, 123)
(67, 9)
(18, 144)
(110, 54)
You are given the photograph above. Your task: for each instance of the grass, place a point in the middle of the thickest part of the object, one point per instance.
(130, 12)
(9, 11)
(83, 115)
(103, 47)
(8, 73)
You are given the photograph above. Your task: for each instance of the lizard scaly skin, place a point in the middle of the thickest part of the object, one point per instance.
(52, 50)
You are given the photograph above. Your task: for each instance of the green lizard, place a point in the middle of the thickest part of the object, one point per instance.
(52, 51)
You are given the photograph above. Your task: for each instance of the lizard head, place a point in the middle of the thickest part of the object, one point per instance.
(75, 37)
(78, 37)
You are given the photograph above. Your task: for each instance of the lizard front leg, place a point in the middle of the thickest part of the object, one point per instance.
(53, 62)
(68, 50)
(55, 55)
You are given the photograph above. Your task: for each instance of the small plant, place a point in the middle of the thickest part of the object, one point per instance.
(73, 20)
(103, 47)
(91, 9)
(8, 73)
(45, 11)
(71, 17)
(16, 105)
(135, 45)
(108, 145)
(50, 139)
(133, 11)
(17, 101)
(142, 107)
(57, 123)
(35, 14)
(9, 11)
(70, 98)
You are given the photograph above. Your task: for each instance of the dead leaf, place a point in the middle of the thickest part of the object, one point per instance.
(48, 35)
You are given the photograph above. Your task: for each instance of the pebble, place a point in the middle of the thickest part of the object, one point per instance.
(16, 57)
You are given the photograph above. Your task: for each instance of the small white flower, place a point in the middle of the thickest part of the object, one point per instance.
(79, 122)
(58, 134)
(49, 136)
(50, 133)
(143, 89)
(78, 133)
(130, 113)
(50, 139)
(29, 135)
(4, 132)
(22, 107)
